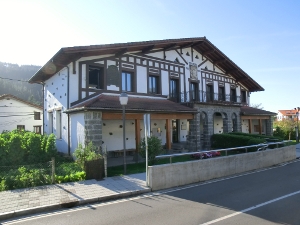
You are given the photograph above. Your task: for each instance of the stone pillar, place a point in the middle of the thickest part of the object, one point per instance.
(269, 126)
(226, 125)
(193, 138)
(93, 128)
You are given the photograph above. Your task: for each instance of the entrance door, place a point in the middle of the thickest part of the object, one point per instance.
(175, 131)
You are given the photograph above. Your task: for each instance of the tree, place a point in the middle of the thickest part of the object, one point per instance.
(257, 105)
(285, 129)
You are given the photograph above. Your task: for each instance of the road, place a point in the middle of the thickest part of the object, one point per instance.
(269, 196)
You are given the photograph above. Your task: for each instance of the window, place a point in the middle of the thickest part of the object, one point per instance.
(58, 124)
(244, 99)
(153, 85)
(221, 94)
(209, 93)
(37, 129)
(194, 91)
(173, 88)
(37, 115)
(233, 95)
(21, 127)
(50, 128)
(96, 77)
(127, 80)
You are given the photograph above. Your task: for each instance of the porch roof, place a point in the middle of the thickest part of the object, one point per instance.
(110, 102)
(250, 111)
(201, 44)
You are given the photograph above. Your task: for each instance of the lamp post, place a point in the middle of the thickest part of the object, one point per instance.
(297, 131)
(123, 101)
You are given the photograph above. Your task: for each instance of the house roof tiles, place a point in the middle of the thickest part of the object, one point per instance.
(70, 54)
(111, 102)
(250, 111)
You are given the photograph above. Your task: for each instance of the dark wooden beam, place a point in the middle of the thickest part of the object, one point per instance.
(181, 57)
(121, 52)
(231, 71)
(187, 45)
(242, 79)
(219, 61)
(197, 44)
(147, 49)
(203, 62)
(169, 47)
(208, 52)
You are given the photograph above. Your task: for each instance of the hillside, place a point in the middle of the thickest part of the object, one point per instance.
(13, 80)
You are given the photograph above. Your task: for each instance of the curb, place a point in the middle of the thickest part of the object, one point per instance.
(65, 205)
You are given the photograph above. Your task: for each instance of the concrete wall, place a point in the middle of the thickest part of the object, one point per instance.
(173, 175)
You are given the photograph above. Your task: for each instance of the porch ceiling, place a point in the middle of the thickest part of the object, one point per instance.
(109, 102)
(67, 55)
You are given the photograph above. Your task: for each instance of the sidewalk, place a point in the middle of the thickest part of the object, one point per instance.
(45, 198)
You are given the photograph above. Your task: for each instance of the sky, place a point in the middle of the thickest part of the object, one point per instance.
(261, 36)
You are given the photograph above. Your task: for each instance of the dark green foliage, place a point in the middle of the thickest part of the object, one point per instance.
(24, 90)
(24, 147)
(154, 148)
(86, 153)
(220, 141)
(257, 136)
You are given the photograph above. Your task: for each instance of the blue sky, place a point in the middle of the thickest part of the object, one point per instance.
(260, 36)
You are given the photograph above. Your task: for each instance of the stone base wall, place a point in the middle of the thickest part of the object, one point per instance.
(93, 128)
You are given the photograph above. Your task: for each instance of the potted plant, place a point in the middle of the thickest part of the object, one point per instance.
(91, 161)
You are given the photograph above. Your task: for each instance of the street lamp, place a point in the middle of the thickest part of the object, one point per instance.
(297, 131)
(123, 101)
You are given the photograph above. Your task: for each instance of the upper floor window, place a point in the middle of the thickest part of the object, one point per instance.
(233, 94)
(209, 92)
(153, 85)
(37, 115)
(127, 81)
(96, 77)
(244, 99)
(194, 91)
(221, 94)
(173, 88)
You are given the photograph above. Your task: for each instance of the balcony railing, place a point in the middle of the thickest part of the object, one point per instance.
(209, 97)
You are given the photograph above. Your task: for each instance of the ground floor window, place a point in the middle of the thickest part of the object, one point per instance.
(21, 127)
(37, 129)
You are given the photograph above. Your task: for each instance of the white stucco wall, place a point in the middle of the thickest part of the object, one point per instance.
(141, 79)
(165, 82)
(14, 113)
(77, 128)
(218, 124)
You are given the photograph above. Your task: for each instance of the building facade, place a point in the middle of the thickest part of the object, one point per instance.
(19, 114)
(190, 88)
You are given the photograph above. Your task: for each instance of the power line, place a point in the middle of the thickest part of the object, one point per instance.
(13, 79)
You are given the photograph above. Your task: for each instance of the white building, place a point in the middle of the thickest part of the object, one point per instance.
(16, 113)
(191, 89)
(288, 115)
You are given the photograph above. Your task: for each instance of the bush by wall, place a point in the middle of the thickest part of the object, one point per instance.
(220, 141)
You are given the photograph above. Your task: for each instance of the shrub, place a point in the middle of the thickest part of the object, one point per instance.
(154, 148)
(220, 141)
(87, 153)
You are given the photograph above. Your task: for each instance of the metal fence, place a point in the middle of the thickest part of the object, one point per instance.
(259, 147)
(25, 176)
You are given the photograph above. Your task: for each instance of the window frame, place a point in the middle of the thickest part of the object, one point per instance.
(20, 127)
(37, 115)
(37, 128)
(100, 77)
(157, 84)
(174, 94)
(126, 73)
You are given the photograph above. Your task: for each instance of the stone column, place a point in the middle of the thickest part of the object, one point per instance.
(93, 128)
(193, 138)
(269, 126)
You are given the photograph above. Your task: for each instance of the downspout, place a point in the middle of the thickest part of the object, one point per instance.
(43, 84)
(68, 102)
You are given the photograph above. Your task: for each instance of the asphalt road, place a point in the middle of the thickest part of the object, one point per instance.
(270, 196)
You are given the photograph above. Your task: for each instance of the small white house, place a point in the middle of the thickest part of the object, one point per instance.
(16, 113)
(290, 114)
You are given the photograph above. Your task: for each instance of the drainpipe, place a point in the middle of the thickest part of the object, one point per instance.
(68, 102)
(43, 84)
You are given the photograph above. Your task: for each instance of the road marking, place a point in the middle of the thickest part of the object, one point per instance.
(251, 208)
(153, 194)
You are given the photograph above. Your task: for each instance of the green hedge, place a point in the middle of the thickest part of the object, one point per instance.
(256, 136)
(220, 141)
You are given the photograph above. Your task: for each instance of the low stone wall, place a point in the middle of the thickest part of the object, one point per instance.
(177, 174)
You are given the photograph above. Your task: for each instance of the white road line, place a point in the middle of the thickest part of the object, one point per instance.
(251, 208)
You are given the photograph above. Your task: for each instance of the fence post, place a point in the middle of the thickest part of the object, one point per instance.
(53, 170)
(104, 152)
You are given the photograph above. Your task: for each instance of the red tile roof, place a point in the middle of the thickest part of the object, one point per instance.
(110, 102)
(288, 112)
